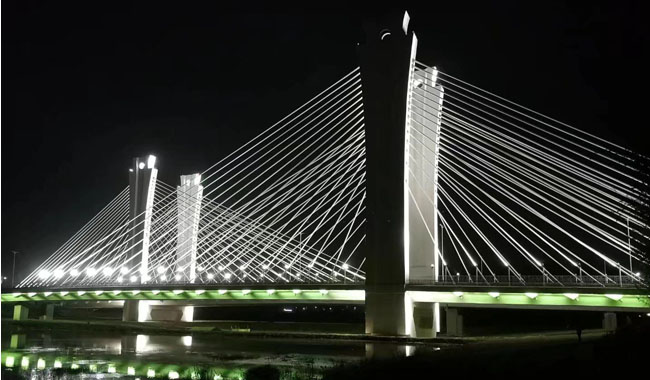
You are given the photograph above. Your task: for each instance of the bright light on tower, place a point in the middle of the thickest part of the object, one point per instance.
(227, 276)
(134, 278)
(43, 274)
(161, 270)
(91, 272)
(108, 271)
(177, 277)
(124, 270)
(58, 273)
(74, 272)
(210, 276)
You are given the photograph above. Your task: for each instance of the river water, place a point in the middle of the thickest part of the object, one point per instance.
(84, 355)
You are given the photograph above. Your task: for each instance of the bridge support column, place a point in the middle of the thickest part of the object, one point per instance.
(130, 311)
(609, 322)
(49, 312)
(21, 312)
(142, 185)
(189, 195)
(454, 322)
(425, 318)
(145, 311)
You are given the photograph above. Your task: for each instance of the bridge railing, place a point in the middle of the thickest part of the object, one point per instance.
(535, 280)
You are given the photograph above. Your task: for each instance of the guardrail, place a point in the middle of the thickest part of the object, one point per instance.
(536, 280)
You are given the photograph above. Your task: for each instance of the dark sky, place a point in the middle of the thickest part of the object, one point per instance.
(89, 85)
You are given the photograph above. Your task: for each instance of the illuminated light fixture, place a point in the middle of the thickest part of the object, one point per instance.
(116, 292)
(287, 266)
(31, 294)
(130, 371)
(245, 291)
(43, 274)
(99, 292)
(63, 293)
(323, 291)
(457, 294)
(47, 294)
(146, 278)
(494, 294)
(24, 362)
(210, 276)
(81, 293)
(572, 296)
(227, 276)
(18, 294)
(217, 377)
(58, 273)
(160, 270)
(177, 277)
(310, 265)
(10, 361)
(531, 295)
(151, 373)
(141, 165)
(199, 292)
(108, 271)
(134, 278)
(163, 278)
(111, 369)
(296, 291)
(177, 291)
(151, 161)
(90, 272)
(58, 364)
(74, 272)
(131, 170)
(200, 268)
(120, 279)
(124, 270)
(40, 364)
(92, 367)
(638, 274)
(243, 267)
(154, 292)
(615, 297)
(74, 366)
(220, 267)
(265, 266)
(270, 291)
(223, 291)
(345, 266)
(173, 375)
(135, 292)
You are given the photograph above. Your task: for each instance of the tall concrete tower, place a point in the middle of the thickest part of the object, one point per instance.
(142, 185)
(188, 197)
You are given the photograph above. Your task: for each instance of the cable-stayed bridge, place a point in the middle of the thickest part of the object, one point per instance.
(399, 186)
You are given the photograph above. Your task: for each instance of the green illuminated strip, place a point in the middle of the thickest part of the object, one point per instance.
(534, 299)
(478, 298)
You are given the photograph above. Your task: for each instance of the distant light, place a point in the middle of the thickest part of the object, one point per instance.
(111, 369)
(163, 278)
(141, 165)
(245, 291)
(40, 364)
(227, 276)
(217, 377)
(58, 273)
(108, 271)
(99, 292)
(151, 161)
(287, 310)
(161, 270)
(173, 375)
(58, 364)
(187, 340)
(134, 278)
(90, 272)
(638, 274)
(494, 294)
(287, 266)
(43, 274)
(146, 278)
(531, 295)
(223, 291)
(323, 291)
(200, 268)
(572, 296)
(177, 291)
(220, 267)
(151, 373)
(270, 291)
(81, 293)
(243, 267)
(457, 294)
(265, 266)
(615, 297)
(131, 170)
(199, 291)
(10, 361)
(210, 276)
(31, 294)
(120, 279)
(345, 266)
(310, 265)
(296, 291)
(63, 293)
(24, 362)
(130, 371)
(177, 277)
(47, 294)
(124, 270)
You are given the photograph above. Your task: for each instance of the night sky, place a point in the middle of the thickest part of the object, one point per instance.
(88, 86)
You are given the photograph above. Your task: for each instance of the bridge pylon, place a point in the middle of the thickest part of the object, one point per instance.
(189, 195)
(398, 236)
(142, 185)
